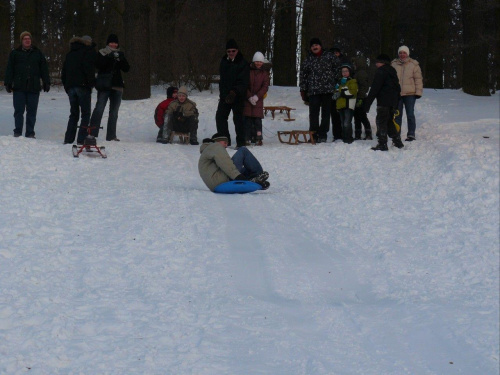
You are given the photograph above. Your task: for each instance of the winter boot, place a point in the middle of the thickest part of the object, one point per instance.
(368, 136)
(260, 178)
(410, 138)
(396, 142)
(380, 147)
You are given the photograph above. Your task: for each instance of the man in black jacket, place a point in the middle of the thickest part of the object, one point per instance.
(26, 67)
(233, 84)
(78, 78)
(385, 88)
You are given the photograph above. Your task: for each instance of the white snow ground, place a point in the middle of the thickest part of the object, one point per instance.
(353, 262)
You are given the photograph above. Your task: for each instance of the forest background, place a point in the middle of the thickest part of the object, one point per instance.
(457, 42)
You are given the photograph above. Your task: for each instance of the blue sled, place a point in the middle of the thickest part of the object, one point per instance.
(237, 187)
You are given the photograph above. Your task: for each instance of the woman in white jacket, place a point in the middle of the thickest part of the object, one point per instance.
(411, 82)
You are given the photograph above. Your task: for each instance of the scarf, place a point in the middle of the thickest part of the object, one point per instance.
(107, 50)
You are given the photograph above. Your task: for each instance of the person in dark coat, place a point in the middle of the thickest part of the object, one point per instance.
(78, 78)
(109, 60)
(26, 67)
(385, 88)
(317, 83)
(234, 78)
(359, 112)
(254, 105)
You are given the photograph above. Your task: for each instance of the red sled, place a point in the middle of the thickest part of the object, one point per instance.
(89, 145)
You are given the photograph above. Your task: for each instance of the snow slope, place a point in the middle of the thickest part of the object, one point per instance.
(353, 262)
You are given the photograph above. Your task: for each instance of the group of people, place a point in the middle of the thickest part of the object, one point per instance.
(27, 66)
(339, 89)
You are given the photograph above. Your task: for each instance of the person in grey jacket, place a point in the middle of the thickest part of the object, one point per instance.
(216, 167)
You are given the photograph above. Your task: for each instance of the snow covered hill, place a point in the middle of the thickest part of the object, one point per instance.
(353, 262)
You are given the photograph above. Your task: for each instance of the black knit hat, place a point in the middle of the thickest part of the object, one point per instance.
(231, 44)
(219, 137)
(112, 38)
(383, 58)
(171, 90)
(315, 41)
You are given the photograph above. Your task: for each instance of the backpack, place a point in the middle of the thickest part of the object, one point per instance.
(160, 111)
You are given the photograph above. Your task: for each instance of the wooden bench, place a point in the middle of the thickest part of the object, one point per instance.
(294, 136)
(281, 108)
(183, 137)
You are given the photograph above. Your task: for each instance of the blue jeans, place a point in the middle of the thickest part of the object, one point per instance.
(409, 103)
(79, 97)
(346, 115)
(246, 163)
(25, 101)
(115, 99)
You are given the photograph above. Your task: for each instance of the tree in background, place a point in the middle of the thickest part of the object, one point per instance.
(475, 80)
(136, 24)
(244, 24)
(317, 21)
(4, 35)
(285, 44)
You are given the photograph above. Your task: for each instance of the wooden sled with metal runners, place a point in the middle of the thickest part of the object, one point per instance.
(295, 135)
(281, 108)
(183, 137)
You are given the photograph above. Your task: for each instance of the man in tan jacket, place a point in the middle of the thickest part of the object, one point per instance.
(410, 80)
(216, 167)
(181, 116)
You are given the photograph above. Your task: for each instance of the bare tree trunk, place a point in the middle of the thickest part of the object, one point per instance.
(285, 44)
(437, 29)
(388, 40)
(244, 24)
(4, 35)
(27, 19)
(317, 22)
(475, 79)
(136, 22)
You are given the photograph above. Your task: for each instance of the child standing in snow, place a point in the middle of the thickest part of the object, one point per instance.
(345, 95)
(254, 105)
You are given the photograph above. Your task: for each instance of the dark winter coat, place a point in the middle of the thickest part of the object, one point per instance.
(107, 63)
(25, 69)
(259, 84)
(79, 65)
(317, 73)
(361, 76)
(385, 88)
(234, 76)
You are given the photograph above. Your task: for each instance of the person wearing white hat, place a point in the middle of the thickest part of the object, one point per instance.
(411, 82)
(254, 105)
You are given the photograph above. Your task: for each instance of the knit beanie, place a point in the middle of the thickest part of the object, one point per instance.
(258, 56)
(171, 90)
(383, 58)
(112, 38)
(405, 49)
(231, 44)
(219, 137)
(315, 41)
(23, 34)
(183, 90)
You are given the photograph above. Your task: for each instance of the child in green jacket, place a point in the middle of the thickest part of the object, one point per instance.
(345, 95)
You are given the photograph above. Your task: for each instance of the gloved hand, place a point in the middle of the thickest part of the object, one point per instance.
(179, 116)
(240, 177)
(336, 95)
(250, 99)
(116, 55)
(231, 97)
(8, 87)
(255, 99)
(359, 103)
(46, 87)
(303, 95)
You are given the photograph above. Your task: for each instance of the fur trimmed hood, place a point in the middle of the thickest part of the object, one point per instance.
(77, 39)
